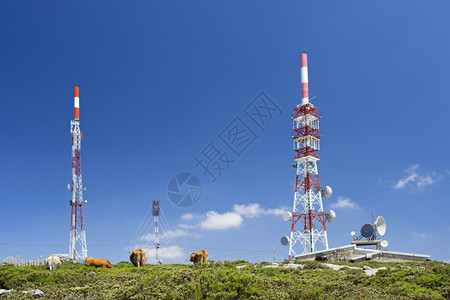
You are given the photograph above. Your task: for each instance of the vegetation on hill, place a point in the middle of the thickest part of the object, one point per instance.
(222, 280)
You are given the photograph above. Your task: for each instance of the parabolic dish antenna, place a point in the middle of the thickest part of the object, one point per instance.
(384, 243)
(380, 225)
(287, 216)
(367, 230)
(352, 233)
(330, 216)
(285, 240)
(327, 191)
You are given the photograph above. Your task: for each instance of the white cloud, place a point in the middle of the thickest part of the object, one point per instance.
(170, 252)
(414, 179)
(216, 221)
(424, 181)
(344, 203)
(255, 210)
(213, 220)
(186, 226)
(249, 211)
(187, 217)
(402, 182)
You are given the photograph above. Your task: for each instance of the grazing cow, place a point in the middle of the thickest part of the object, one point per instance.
(199, 257)
(137, 257)
(53, 262)
(97, 262)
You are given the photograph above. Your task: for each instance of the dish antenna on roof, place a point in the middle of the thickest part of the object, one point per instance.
(372, 233)
(367, 230)
(380, 225)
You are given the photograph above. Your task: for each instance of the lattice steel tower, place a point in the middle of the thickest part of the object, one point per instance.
(307, 217)
(155, 212)
(77, 245)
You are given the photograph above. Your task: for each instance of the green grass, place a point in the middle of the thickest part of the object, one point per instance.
(221, 280)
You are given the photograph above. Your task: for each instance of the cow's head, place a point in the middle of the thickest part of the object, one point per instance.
(192, 257)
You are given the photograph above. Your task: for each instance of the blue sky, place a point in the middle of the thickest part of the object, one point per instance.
(160, 80)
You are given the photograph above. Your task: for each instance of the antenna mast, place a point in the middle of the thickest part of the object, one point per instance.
(77, 244)
(308, 219)
(155, 212)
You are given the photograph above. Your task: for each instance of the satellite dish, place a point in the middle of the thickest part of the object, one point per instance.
(330, 216)
(352, 233)
(384, 243)
(287, 216)
(367, 230)
(285, 240)
(380, 225)
(327, 191)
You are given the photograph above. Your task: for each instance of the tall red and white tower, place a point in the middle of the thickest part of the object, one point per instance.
(155, 212)
(77, 244)
(307, 217)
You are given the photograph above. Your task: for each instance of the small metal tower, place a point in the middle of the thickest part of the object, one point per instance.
(308, 219)
(77, 245)
(155, 212)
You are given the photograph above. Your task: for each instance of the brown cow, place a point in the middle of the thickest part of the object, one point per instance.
(137, 257)
(97, 262)
(199, 257)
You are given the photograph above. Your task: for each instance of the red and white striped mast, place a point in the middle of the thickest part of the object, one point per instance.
(77, 243)
(307, 217)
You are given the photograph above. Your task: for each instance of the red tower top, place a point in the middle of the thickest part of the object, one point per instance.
(76, 102)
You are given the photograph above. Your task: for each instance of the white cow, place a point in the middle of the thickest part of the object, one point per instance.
(53, 262)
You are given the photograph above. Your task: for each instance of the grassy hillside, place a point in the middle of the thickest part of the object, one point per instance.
(218, 280)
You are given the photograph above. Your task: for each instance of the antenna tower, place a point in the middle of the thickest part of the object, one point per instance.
(77, 245)
(155, 212)
(308, 219)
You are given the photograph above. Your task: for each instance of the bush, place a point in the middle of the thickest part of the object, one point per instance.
(222, 280)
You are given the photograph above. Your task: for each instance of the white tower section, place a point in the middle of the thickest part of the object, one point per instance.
(155, 212)
(77, 245)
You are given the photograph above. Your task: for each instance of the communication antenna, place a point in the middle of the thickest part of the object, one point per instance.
(367, 231)
(307, 217)
(155, 213)
(380, 225)
(372, 233)
(327, 192)
(330, 216)
(77, 243)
